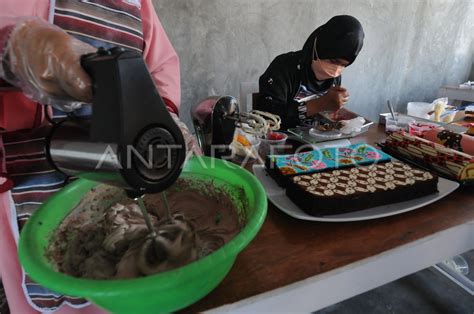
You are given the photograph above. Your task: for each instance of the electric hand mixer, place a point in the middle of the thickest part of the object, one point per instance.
(131, 140)
(216, 118)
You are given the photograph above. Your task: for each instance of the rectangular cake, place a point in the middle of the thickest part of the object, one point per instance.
(443, 160)
(346, 190)
(469, 111)
(282, 167)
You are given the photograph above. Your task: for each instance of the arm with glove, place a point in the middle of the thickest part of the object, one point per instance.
(44, 62)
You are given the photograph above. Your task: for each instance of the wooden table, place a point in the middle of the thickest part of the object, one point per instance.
(302, 266)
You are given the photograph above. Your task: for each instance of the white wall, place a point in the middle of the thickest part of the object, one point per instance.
(412, 47)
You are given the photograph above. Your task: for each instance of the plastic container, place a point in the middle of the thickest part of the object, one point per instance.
(383, 118)
(246, 148)
(459, 264)
(448, 116)
(400, 123)
(164, 292)
(420, 109)
(273, 147)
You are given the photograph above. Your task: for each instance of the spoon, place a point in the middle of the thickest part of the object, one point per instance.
(392, 112)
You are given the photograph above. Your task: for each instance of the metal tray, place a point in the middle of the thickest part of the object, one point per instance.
(302, 132)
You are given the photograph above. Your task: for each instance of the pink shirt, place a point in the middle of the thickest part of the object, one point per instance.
(163, 64)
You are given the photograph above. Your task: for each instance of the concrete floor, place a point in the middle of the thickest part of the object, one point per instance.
(425, 292)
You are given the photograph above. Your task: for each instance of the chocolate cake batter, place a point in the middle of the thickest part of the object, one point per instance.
(106, 237)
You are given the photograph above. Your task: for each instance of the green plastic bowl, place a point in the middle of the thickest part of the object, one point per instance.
(164, 292)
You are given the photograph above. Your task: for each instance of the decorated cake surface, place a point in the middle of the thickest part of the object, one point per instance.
(324, 159)
(460, 142)
(444, 160)
(469, 113)
(344, 190)
(371, 179)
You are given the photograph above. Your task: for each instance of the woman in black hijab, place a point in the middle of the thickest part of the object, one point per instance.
(297, 85)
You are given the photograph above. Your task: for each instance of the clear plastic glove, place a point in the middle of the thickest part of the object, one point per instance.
(44, 61)
(332, 101)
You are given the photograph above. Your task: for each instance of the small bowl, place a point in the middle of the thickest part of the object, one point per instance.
(272, 147)
(164, 292)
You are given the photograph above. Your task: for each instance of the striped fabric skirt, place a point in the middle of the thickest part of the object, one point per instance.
(101, 23)
(35, 180)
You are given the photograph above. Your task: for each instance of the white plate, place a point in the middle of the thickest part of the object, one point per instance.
(278, 197)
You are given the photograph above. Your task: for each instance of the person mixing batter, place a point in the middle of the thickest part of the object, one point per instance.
(40, 46)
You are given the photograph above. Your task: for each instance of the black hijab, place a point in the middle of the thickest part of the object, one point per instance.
(341, 37)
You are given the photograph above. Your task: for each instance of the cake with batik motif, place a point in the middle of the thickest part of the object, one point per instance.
(344, 190)
(282, 167)
(469, 111)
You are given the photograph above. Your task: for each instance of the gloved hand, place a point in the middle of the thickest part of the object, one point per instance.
(44, 61)
(333, 100)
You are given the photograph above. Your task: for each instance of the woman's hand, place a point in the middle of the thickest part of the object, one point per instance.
(44, 62)
(333, 100)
